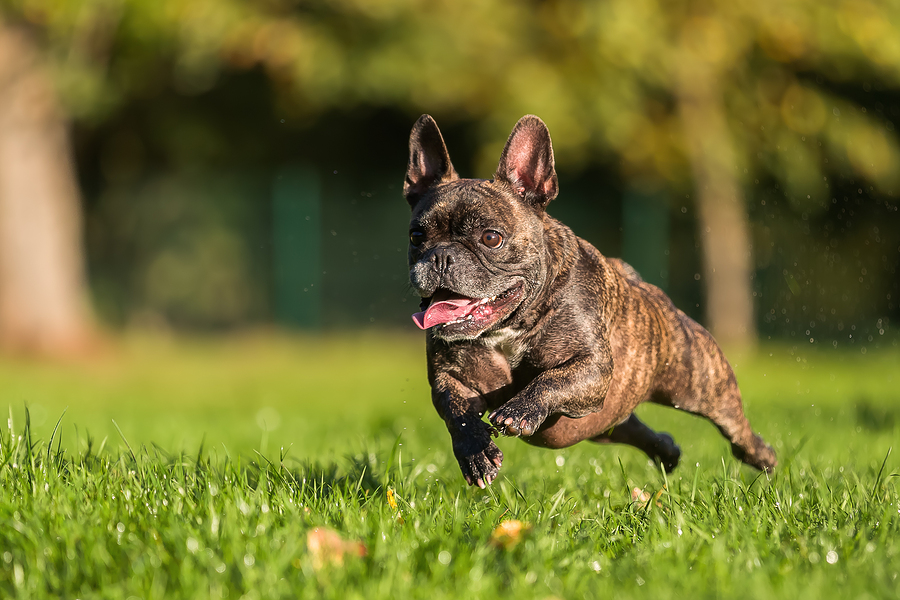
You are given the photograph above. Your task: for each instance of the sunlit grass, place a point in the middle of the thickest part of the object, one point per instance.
(232, 451)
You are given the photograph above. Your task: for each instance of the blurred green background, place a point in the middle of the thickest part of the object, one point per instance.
(203, 254)
(200, 167)
(233, 164)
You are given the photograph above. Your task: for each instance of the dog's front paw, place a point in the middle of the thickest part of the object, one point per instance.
(479, 460)
(519, 417)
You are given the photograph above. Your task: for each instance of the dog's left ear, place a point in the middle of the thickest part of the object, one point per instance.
(429, 161)
(527, 162)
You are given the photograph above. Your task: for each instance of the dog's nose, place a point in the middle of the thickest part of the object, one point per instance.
(441, 260)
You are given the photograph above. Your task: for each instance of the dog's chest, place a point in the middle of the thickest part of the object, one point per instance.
(509, 343)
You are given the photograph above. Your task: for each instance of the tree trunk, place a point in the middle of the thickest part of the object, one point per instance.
(724, 225)
(43, 304)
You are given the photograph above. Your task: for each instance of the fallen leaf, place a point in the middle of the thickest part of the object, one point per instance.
(509, 533)
(328, 547)
(639, 495)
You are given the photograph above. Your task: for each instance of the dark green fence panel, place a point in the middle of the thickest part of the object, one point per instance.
(297, 247)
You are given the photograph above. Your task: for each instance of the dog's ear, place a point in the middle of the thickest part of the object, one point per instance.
(429, 161)
(527, 162)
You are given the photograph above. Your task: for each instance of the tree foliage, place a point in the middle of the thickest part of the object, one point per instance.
(700, 98)
(605, 75)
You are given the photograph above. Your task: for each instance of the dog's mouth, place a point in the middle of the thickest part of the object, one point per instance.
(449, 309)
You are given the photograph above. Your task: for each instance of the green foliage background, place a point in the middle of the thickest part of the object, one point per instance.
(186, 111)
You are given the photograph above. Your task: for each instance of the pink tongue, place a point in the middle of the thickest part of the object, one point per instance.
(444, 311)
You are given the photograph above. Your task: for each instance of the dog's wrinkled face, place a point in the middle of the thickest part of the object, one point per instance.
(474, 256)
(476, 251)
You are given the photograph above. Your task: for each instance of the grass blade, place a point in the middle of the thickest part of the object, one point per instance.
(880, 473)
(53, 435)
(127, 445)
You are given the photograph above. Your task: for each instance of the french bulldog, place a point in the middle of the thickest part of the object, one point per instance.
(535, 327)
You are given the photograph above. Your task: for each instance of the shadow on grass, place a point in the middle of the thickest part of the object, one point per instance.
(25, 461)
(876, 418)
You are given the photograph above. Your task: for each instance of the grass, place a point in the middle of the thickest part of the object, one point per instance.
(226, 455)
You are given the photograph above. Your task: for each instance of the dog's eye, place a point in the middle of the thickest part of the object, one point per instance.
(491, 239)
(416, 237)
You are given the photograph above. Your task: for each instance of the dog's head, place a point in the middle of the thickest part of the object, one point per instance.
(477, 250)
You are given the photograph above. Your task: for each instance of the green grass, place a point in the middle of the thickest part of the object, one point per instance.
(236, 449)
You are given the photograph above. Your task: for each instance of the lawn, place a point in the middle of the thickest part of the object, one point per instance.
(230, 467)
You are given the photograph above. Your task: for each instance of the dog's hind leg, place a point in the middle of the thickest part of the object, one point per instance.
(727, 414)
(632, 431)
(698, 379)
(718, 399)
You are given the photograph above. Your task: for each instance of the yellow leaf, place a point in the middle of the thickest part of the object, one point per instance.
(509, 533)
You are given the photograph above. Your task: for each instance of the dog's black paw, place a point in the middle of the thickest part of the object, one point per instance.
(479, 460)
(667, 452)
(519, 417)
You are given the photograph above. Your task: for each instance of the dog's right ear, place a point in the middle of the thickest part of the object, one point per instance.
(429, 161)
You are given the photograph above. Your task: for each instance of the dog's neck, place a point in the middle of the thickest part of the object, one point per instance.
(560, 257)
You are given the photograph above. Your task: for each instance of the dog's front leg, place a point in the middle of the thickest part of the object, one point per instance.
(462, 408)
(575, 388)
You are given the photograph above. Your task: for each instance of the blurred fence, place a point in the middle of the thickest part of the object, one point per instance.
(320, 242)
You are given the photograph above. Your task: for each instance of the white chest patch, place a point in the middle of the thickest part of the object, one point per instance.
(507, 342)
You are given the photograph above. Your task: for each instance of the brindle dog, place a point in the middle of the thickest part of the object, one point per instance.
(532, 324)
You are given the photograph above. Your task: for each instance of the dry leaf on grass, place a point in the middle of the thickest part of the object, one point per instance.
(639, 495)
(509, 533)
(327, 547)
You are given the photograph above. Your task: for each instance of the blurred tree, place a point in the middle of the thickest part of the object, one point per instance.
(697, 98)
(738, 91)
(42, 287)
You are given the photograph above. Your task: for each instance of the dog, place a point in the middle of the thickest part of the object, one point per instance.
(534, 326)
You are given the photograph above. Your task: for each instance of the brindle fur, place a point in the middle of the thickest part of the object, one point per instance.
(589, 340)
